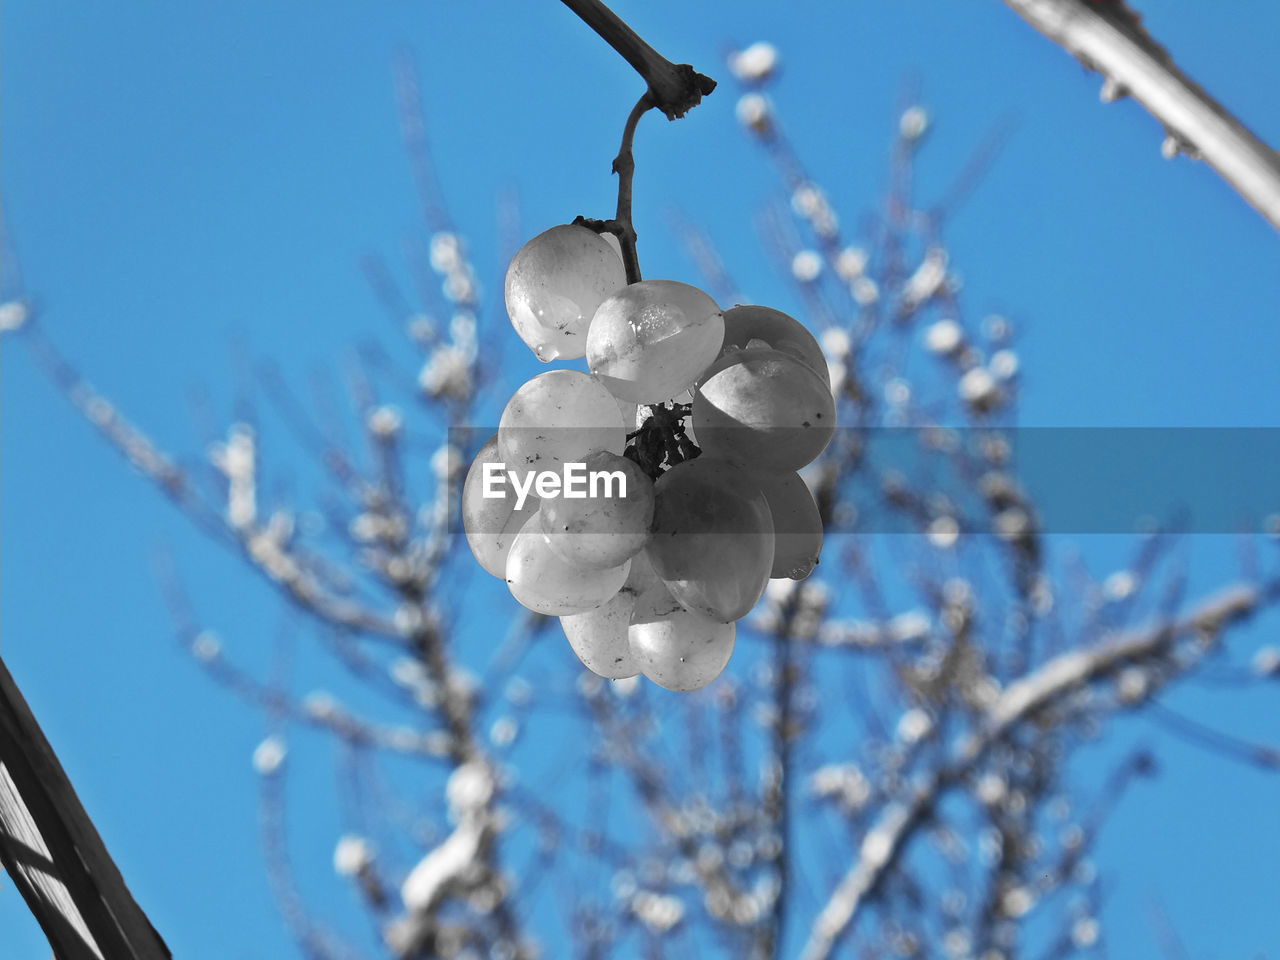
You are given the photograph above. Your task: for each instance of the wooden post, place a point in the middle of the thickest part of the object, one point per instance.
(51, 850)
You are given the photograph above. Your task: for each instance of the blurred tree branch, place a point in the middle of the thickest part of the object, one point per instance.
(1108, 36)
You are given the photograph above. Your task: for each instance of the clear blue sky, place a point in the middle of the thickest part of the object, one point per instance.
(179, 178)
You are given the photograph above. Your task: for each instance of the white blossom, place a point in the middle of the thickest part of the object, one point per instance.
(978, 388)
(385, 422)
(914, 625)
(269, 755)
(1084, 932)
(1012, 523)
(876, 847)
(754, 64)
(470, 786)
(237, 460)
(991, 788)
(1132, 685)
(755, 113)
(446, 252)
(446, 372)
(850, 263)
(843, 783)
(1004, 364)
(927, 280)
(944, 532)
(944, 337)
(807, 200)
(504, 731)
(658, 912)
(1266, 662)
(865, 291)
(913, 123)
(13, 315)
(1120, 585)
(836, 342)
(351, 856)
(446, 462)
(806, 266)
(1016, 902)
(320, 705)
(914, 725)
(206, 647)
(460, 286)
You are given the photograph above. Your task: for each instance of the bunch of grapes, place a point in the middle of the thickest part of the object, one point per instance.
(686, 436)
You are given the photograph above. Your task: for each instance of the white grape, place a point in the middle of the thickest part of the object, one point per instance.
(653, 339)
(675, 647)
(603, 528)
(554, 285)
(491, 523)
(559, 417)
(599, 637)
(543, 581)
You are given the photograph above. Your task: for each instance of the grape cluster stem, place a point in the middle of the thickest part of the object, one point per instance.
(624, 165)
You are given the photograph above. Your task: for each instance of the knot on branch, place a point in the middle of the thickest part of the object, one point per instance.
(679, 90)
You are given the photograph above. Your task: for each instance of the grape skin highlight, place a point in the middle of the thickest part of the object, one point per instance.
(653, 339)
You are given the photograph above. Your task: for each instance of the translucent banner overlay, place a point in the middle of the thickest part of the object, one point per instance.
(1066, 480)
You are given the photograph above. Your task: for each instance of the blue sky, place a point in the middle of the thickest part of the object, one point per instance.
(187, 182)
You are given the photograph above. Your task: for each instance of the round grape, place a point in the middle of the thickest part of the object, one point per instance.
(559, 417)
(712, 541)
(797, 524)
(603, 528)
(653, 339)
(780, 331)
(546, 583)
(491, 523)
(554, 285)
(675, 647)
(599, 637)
(764, 409)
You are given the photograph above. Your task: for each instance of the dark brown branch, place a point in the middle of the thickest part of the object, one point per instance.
(77, 894)
(676, 88)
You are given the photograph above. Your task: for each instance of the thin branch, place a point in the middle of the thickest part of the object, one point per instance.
(1201, 735)
(884, 844)
(1110, 38)
(624, 165)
